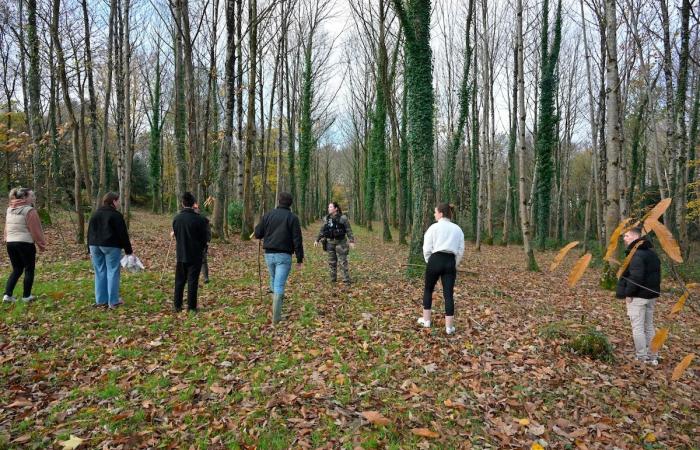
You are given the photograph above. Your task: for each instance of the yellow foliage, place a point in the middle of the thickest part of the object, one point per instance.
(658, 341)
(560, 256)
(680, 368)
(668, 243)
(679, 304)
(579, 268)
(658, 210)
(615, 237)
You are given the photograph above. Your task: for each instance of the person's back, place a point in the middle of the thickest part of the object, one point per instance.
(191, 235)
(280, 232)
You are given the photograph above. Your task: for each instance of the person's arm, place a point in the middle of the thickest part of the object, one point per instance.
(460, 246)
(123, 235)
(260, 229)
(635, 276)
(320, 231)
(207, 230)
(428, 243)
(348, 229)
(34, 226)
(297, 239)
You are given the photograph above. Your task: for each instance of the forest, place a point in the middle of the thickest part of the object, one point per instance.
(553, 127)
(540, 121)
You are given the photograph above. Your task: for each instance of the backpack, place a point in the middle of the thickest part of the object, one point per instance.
(334, 228)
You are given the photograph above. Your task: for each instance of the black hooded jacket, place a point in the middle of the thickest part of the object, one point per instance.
(281, 232)
(642, 278)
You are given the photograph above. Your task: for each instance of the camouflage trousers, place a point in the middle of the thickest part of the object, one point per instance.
(338, 253)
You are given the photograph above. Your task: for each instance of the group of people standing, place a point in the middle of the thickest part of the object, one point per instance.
(279, 232)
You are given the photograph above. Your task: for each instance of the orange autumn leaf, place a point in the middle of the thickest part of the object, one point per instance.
(560, 256)
(658, 341)
(628, 258)
(658, 210)
(680, 368)
(424, 432)
(668, 243)
(376, 418)
(579, 268)
(615, 237)
(679, 304)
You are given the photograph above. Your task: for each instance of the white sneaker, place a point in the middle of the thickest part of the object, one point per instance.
(652, 361)
(424, 323)
(29, 299)
(8, 299)
(450, 330)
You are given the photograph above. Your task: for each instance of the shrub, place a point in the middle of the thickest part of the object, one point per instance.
(234, 214)
(592, 343)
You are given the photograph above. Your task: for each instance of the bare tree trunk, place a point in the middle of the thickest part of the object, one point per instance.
(102, 184)
(225, 154)
(247, 226)
(524, 216)
(73, 124)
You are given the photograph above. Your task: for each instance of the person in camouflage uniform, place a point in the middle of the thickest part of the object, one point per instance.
(338, 237)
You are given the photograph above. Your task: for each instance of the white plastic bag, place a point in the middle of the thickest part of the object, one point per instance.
(132, 263)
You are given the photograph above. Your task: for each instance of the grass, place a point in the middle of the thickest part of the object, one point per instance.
(225, 378)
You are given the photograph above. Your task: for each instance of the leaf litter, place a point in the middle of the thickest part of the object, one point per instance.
(347, 368)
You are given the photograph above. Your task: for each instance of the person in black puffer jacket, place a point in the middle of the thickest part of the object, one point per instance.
(107, 236)
(281, 234)
(640, 285)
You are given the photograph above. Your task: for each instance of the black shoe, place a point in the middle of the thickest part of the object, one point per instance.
(176, 309)
(206, 280)
(99, 305)
(347, 282)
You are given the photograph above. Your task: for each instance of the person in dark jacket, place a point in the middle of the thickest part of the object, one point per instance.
(281, 234)
(107, 236)
(339, 240)
(640, 285)
(190, 231)
(205, 254)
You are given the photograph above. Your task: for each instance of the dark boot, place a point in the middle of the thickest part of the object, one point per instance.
(277, 300)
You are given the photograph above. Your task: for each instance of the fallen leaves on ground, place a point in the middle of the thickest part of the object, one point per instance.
(144, 377)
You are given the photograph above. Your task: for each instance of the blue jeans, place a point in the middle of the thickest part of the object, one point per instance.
(279, 265)
(105, 261)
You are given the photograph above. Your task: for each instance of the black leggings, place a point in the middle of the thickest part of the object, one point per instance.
(440, 266)
(23, 259)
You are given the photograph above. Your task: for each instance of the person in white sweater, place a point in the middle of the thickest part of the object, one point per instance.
(443, 248)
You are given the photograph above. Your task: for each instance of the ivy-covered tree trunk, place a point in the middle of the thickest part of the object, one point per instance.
(681, 182)
(547, 126)
(449, 187)
(154, 145)
(415, 20)
(34, 88)
(404, 190)
(306, 137)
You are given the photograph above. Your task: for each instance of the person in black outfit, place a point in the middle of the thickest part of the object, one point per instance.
(281, 234)
(640, 285)
(190, 231)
